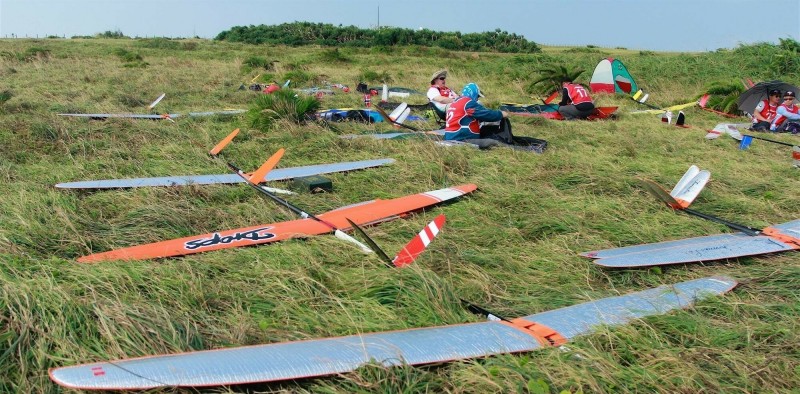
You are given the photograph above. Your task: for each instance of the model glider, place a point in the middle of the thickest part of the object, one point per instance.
(550, 111)
(702, 103)
(279, 174)
(731, 129)
(156, 116)
(418, 346)
(436, 135)
(662, 110)
(369, 212)
(746, 242)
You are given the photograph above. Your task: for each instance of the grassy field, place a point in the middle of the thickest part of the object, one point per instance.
(511, 247)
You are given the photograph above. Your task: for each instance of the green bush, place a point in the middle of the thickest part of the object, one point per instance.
(282, 104)
(34, 53)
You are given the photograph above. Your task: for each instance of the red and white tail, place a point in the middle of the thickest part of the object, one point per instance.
(418, 244)
(796, 156)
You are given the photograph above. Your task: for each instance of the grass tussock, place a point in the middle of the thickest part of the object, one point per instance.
(511, 247)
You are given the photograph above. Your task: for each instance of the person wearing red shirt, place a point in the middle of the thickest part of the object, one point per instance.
(575, 101)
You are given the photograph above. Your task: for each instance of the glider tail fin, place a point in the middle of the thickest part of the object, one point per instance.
(156, 101)
(703, 100)
(658, 192)
(418, 244)
(681, 120)
(222, 144)
(260, 175)
(551, 97)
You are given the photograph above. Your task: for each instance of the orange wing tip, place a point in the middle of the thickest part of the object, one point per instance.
(260, 175)
(682, 204)
(545, 335)
(222, 144)
(778, 235)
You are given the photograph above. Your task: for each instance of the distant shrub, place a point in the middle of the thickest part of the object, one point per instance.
(258, 62)
(34, 53)
(646, 53)
(307, 33)
(334, 56)
(588, 49)
(282, 104)
(111, 34)
(725, 95)
(130, 59)
(127, 56)
(373, 76)
(5, 96)
(298, 76)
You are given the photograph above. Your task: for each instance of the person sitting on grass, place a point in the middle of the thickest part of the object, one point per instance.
(765, 111)
(575, 101)
(786, 116)
(439, 94)
(465, 114)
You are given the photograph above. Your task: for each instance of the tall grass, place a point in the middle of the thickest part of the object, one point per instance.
(511, 247)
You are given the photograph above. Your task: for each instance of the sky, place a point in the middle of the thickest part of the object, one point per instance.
(658, 25)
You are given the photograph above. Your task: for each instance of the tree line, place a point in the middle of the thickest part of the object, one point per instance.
(307, 33)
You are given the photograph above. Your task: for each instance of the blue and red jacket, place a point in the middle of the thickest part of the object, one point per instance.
(463, 119)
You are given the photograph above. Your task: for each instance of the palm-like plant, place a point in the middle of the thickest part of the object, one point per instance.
(724, 95)
(281, 104)
(551, 78)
